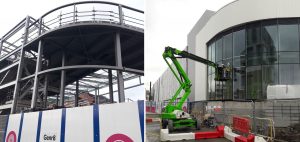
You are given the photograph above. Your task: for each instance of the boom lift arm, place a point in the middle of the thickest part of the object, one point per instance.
(173, 116)
(221, 73)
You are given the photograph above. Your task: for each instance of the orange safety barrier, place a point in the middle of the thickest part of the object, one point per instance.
(250, 138)
(149, 120)
(241, 124)
(219, 133)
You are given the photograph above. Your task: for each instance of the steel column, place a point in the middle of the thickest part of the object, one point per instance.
(36, 77)
(77, 93)
(45, 91)
(62, 81)
(1, 44)
(57, 96)
(140, 79)
(96, 99)
(119, 64)
(74, 13)
(20, 69)
(121, 92)
(110, 86)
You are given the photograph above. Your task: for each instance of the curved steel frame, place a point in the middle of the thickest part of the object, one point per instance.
(35, 30)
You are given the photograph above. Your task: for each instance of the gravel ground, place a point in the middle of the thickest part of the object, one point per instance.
(153, 130)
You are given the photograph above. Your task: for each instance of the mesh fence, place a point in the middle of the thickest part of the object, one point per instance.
(279, 119)
(157, 107)
(274, 119)
(3, 120)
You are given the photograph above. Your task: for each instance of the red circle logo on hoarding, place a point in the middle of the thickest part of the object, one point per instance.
(119, 138)
(11, 137)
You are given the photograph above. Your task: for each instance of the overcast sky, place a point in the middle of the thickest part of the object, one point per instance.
(12, 12)
(167, 24)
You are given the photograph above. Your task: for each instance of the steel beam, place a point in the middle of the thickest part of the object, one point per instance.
(118, 56)
(133, 86)
(20, 69)
(135, 71)
(36, 77)
(110, 86)
(62, 81)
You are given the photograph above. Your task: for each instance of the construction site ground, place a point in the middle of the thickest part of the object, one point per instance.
(153, 133)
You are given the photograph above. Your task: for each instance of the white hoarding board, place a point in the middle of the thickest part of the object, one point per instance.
(12, 131)
(79, 124)
(119, 122)
(29, 128)
(51, 126)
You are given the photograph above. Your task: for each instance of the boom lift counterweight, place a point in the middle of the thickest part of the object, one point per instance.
(173, 116)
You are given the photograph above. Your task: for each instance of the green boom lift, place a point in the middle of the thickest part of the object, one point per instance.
(173, 116)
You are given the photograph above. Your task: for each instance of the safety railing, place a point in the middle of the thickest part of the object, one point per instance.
(80, 12)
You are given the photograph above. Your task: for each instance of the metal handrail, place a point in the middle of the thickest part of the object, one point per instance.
(43, 25)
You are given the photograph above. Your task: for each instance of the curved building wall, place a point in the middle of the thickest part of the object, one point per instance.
(264, 56)
(236, 18)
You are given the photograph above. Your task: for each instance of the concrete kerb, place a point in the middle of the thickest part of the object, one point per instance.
(228, 134)
(165, 136)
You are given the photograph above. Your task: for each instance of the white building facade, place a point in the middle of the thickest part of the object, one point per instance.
(258, 39)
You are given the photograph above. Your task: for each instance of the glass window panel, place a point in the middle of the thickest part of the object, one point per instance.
(239, 43)
(213, 52)
(269, 78)
(219, 50)
(253, 39)
(288, 35)
(209, 58)
(239, 83)
(239, 61)
(227, 85)
(211, 88)
(254, 49)
(289, 74)
(219, 90)
(209, 53)
(227, 46)
(288, 57)
(227, 62)
(253, 60)
(269, 58)
(254, 86)
(269, 37)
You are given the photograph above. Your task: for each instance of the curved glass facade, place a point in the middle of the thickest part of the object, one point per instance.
(264, 56)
